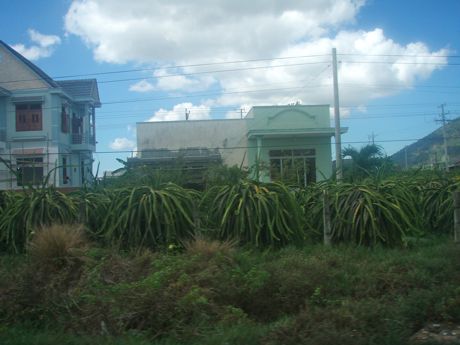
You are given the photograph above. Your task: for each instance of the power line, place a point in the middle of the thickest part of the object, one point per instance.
(232, 62)
(248, 147)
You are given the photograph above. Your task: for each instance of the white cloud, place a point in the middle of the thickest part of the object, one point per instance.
(122, 144)
(170, 81)
(361, 77)
(196, 112)
(142, 86)
(180, 32)
(44, 45)
(144, 30)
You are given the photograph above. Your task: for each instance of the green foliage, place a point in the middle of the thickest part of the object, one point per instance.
(369, 161)
(372, 214)
(224, 175)
(312, 295)
(93, 206)
(145, 175)
(148, 217)
(252, 212)
(25, 211)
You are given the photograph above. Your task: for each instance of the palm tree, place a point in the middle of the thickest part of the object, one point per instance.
(364, 162)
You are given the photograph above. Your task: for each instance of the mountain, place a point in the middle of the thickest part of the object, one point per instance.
(429, 151)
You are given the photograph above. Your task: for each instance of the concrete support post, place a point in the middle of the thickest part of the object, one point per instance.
(327, 219)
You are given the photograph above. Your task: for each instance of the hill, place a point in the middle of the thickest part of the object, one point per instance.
(429, 151)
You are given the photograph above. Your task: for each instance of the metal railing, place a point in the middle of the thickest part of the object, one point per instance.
(83, 139)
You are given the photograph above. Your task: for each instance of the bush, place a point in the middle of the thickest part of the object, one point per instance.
(255, 213)
(26, 211)
(58, 245)
(147, 217)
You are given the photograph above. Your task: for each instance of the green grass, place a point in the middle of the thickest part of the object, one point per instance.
(311, 295)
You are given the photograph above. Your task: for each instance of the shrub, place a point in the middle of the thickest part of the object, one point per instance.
(256, 213)
(58, 245)
(23, 212)
(147, 217)
(208, 248)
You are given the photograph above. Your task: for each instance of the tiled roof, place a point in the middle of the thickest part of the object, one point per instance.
(81, 89)
(29, 64)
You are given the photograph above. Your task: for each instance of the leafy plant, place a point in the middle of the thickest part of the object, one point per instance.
(369, 214)
(145, 216)
(256, 213)
(30, 209)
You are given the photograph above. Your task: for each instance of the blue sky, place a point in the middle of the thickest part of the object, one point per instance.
(399, 60)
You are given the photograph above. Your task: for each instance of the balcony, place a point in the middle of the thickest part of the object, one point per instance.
(83, 142)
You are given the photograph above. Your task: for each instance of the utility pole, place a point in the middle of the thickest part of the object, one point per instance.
(371, 138)
(338, 139)
(444, 121)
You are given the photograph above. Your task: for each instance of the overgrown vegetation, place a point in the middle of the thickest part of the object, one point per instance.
(237, 263)
(374, 211)
(310, 295)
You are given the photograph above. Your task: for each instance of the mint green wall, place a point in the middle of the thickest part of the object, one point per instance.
(282, 126)
(294, 116)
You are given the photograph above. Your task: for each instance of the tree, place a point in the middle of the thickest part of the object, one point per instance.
(364, 162)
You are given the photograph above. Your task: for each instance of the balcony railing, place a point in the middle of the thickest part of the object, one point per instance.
(78, 139)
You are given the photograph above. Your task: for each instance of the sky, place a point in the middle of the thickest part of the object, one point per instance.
(153, 59)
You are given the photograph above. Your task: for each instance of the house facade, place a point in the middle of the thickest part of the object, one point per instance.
(47, 127)
(290, 143)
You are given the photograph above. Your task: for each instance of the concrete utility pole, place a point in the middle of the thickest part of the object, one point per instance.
(444, 121)
(338, 139)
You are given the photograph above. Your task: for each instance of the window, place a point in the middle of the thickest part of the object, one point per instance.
(65, 120)
(29, 117)
(29, 171)
(297, 166)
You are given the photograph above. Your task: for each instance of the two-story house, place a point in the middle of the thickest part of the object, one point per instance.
(47, 127)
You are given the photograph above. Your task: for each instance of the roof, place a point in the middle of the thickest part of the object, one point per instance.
(83, 89)
(29, 64)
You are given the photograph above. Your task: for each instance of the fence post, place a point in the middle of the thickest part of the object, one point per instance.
(456, 197)
(326, 219)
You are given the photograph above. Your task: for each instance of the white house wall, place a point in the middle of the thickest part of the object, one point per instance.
(227, 135)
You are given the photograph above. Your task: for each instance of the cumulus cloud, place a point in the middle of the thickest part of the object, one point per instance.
(196, 112)
(147, 30)
(362, 74)
(179, 32)
(43, 47)
(122, 144)
(142, 86)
